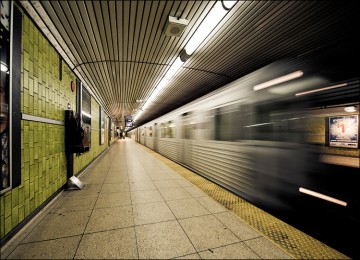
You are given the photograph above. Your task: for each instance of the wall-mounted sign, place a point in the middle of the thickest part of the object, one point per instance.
(73, 86)
(344, 131)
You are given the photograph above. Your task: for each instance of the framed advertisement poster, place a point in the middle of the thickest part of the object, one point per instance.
(102, 125)
(10, 90)
(344, 131)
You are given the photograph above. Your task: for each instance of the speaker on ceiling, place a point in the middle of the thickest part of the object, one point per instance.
(175, 27)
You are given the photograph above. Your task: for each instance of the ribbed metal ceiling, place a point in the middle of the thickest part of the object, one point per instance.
(119, 49)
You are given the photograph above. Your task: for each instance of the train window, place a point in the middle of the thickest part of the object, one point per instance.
(149, 131)
(280, 122)
(187, 126)
(227, 123)
(170, 129)
(167, 130)
(162, 130)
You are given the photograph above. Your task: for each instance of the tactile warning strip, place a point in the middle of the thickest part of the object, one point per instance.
(294, 242)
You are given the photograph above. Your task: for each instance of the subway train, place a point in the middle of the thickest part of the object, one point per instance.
(273, 138)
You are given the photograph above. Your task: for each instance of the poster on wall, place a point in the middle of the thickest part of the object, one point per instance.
(344, 131)
(5, 183)
(102, 126)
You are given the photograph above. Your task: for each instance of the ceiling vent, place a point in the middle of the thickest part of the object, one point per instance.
(175, 27)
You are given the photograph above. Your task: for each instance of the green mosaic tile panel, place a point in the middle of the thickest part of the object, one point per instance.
(43, 163)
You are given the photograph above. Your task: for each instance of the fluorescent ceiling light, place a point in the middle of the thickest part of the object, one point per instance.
(350, 109)
(138, 114)
(162, 84)
(208, 24)
(279, 80)
(321, 89)
(228, 4)
(173, 68)
(322, 196)
(150, 99)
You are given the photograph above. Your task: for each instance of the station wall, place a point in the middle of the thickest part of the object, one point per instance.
(45, 94)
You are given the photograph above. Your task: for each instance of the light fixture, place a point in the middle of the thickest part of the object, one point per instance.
(169, 74)
(227, 5)
(174, 67)
(350, 109)
(212, 19)
(138, 114)
(216, 14)
(321, 89)
(323, 196)
(279, 80)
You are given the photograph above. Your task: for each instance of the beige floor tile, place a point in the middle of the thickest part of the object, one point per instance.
(110, 218)
(113, 244)
(60, 225)
(117, 169)
(207, 232)
(62, 248)
(121, 172)
(237, 226)
(195, 192)
(115, 199)
(211, 205)
(92, 180)
(115, 187)
(185, 208)
(142, 185)
(184, 183)
(156, 176)
(88, 189)
(174, 193)
(142, 177)
(117, 178)
(266, 249)
(166, 184)
(145, 196)
(190, 256)
(234, 251)
(162, 241)
(151, 213)
(72, 204)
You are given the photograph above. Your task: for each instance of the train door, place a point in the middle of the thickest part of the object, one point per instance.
(186, 137)
(156, 137)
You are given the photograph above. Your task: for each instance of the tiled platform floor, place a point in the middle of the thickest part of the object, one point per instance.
(133, 206)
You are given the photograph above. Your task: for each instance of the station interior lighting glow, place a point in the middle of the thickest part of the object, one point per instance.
(216, 14)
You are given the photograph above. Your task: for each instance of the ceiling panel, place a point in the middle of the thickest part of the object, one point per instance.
(119, 49)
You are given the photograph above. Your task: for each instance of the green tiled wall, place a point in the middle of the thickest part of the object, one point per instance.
(43, 161)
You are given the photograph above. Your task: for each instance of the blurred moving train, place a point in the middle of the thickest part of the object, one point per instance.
(255, 137)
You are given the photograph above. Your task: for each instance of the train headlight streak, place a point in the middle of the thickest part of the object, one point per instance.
(321, 89)
(323, 196)
(282, 79)
(258, 125)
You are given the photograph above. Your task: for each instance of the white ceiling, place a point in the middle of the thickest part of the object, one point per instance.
(119, 49)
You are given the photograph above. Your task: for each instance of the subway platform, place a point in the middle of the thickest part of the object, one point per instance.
(137, 204)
